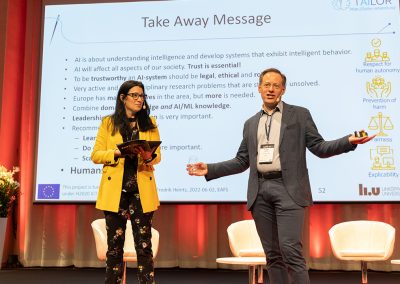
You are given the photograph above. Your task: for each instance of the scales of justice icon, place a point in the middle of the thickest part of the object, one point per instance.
(380, 122)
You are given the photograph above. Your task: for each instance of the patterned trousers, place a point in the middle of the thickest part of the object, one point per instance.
(129, 208)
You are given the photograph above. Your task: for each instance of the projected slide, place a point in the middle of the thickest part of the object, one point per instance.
(200, 62)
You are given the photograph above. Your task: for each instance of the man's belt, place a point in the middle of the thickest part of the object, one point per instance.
(270, 175)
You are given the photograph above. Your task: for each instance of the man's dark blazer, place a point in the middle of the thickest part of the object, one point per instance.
(298, 132)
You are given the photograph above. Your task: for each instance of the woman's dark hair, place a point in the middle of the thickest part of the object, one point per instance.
(120, 120)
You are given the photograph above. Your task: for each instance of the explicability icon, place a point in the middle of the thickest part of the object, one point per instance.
(380, 122)
(382, 158)
(376, 55)
(378, 88)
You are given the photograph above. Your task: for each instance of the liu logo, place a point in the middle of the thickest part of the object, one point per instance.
(363, 191)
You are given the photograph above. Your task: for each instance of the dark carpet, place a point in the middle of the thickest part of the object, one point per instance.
(178, 276)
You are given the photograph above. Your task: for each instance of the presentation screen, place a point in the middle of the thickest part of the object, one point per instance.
(200, 63)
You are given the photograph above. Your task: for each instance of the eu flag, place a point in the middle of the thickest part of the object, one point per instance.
(48, 191)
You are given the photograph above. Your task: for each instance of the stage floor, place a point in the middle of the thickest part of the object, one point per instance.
(178, 276)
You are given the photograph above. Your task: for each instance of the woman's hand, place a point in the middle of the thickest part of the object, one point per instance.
(146, 155)
(117, 153)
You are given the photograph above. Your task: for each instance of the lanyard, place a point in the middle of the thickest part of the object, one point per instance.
(268, 129)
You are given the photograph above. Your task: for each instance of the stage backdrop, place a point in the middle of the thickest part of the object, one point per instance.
(200, 61)
(60, 235)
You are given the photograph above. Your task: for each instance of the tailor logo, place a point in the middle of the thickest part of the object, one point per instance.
(372, 3)
(363, 191)
(360, 5)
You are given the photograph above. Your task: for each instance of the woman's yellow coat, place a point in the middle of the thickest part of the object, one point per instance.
(111, 180)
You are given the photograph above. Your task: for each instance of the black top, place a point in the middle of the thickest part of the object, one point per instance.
(129, 181)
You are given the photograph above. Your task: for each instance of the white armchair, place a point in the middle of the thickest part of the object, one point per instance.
(362, 241)
(246, 249)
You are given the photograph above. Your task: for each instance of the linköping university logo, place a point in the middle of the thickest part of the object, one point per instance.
(341, 4)
(48, 191)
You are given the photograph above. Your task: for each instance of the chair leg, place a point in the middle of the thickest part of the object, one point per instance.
(260, 274)
(252, 274)
(364, 269)
(124, 276)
